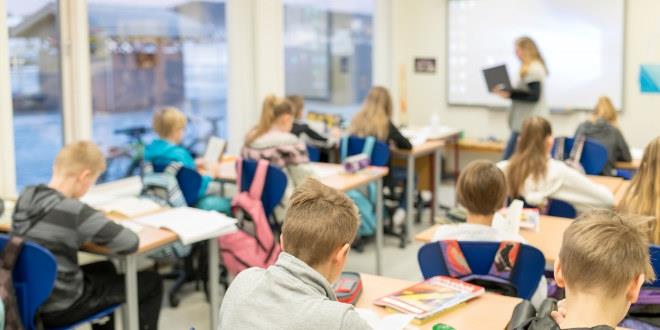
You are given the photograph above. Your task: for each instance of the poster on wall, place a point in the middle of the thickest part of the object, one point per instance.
(424, 65)
(649, 78)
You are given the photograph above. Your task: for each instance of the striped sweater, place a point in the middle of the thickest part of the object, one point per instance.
(62, 225)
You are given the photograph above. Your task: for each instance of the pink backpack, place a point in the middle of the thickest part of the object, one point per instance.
(241, 250)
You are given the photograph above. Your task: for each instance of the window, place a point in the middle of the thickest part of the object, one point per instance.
(34, 61)
(328, 52)
(149, 54)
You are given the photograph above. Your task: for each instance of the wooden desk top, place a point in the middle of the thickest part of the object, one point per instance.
(423, 149)
(488, 311)
(472, 144)
(548, 239)
(612, 183)
(634, 165)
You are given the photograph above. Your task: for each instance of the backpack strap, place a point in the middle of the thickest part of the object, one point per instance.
(368, 147)
(257, 186)
(454, 259)
(505, 260)
(173, 168)
(343, 152)
(147, 168)
(11, 251)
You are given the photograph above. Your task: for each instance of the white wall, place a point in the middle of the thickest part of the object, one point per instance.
(419, 30)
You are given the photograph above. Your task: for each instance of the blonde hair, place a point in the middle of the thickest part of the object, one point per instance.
(319, 220)
(76, 157)
(167, 120)
(272, 108)
(643, 195)
(298, 105)
(374, 118)
(481, 188)
(530, 158)
(530, 53)
(605, 110)
(602, 250)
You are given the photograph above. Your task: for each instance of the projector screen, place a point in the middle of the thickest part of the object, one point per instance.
(582, 43)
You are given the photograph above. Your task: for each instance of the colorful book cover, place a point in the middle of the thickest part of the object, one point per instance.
(430, 297)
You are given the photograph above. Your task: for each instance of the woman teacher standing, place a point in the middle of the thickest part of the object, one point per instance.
(528, 96)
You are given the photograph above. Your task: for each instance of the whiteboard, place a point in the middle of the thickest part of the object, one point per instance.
(582, 43)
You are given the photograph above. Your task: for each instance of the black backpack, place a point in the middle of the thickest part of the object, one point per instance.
(526, 317)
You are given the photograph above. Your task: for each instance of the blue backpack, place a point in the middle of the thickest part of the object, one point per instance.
(365, 204)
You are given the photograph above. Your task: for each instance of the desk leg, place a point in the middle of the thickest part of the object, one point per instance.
(130, 312)
(437, 180)
(379, 225)
(410, 191)
(214, 279)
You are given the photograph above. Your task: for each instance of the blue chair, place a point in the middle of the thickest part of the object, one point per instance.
(313, 153)
(559, 208)
(190, 181)
(480, 255)
(594, 155)
(274, 187)
(380, 156)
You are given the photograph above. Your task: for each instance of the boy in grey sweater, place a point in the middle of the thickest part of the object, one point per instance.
(52, 216)
(296, 292)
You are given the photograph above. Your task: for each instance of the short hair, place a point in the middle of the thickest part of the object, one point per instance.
(167, 120)
(481, 188)
(76, 157)
(318, 221)
(604, 251)
(298, 104)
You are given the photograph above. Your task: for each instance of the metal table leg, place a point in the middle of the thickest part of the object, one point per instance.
(379, 225)
(410, 187)
(214, 279)
(437, 180)
(130, 308)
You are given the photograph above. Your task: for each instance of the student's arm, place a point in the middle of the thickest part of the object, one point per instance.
(96, 228)
(399, 140)
(353, 321)
(312, 134)
(578, 189)
(531, 95)
(622, 150)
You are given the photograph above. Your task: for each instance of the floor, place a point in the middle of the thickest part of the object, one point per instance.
(193, 311)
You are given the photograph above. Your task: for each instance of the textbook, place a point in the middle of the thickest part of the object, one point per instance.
(128, 207)
(427, 299)
(190, 224)
(530, 218)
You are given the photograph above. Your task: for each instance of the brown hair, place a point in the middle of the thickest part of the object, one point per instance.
(374, 118)
(298, 104)
(604, 109)
(319, 220)
(530, 158)
(481, 188)
(272, 108)
(168, 119)
(530, 53)
(76, 157)
(602, 250)
(643, 195)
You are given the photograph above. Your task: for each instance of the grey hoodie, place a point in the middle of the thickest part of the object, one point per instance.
(61, 225)
(288, 295)
(611, 138)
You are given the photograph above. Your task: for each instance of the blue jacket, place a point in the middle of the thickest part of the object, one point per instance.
(164, 151)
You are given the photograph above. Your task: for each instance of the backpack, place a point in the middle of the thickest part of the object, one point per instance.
(242, 249)
(573, 159)
(499, 277)
(646, 311)
(364, 203)
(11, 318)
(526, 317)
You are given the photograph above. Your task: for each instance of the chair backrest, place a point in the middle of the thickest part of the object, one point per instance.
(34, 277)
(190, 181)
(274, 187)
(479, 256)
(594, 154)
(654, 253)
(380, 156)
(313, 153)
(559, 208)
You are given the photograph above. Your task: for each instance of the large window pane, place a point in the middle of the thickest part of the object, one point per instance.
(35, 87)
(327, 48)
(149, 54)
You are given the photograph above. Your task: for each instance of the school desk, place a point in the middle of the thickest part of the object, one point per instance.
(489, 311)
(632, 166)
(476, 145)
(547, 239)
(612, 183)
(342, 181)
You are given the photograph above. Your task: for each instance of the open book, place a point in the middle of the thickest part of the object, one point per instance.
(192, 225)
(128, 207)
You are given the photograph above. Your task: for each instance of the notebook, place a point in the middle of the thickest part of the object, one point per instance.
(427, 299)
(215, 148)
(190, 224)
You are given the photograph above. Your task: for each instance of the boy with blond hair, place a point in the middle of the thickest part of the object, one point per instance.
(52, 216)
(603, 262)
(296, 292)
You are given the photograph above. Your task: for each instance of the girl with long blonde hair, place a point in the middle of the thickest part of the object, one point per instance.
(643, 195)
(527, 97)
(534, 176)
(375, 119)
(603, 127)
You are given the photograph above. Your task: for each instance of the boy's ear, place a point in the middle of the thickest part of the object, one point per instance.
(282, 242)
(632, 293)
(86, 173)
(342, 254)
(559, 276)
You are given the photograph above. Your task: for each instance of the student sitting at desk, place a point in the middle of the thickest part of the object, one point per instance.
(299, 127)
(603, 127)
(52, 216)
(481, 189)
(533, 175)
(642, 196)
(296, 292)
(603, 262)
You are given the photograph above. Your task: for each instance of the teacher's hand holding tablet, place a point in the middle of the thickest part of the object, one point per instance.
(500, 91)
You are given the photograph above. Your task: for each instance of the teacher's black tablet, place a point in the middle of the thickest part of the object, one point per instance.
(497, 76)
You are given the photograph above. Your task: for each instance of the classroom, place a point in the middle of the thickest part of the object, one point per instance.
(344, 164)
